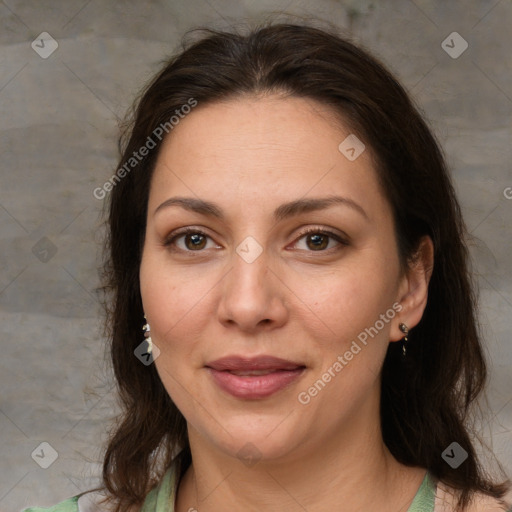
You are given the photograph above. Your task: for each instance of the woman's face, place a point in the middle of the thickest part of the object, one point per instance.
(252, 176)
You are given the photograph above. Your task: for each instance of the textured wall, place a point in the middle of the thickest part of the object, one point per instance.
(58, 132)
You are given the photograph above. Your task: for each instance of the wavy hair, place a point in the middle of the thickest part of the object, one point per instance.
(427, 402)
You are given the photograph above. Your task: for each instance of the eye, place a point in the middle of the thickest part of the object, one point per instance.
(315, 240)
(319, 240)
(193, 240)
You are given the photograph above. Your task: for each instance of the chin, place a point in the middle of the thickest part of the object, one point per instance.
(270, 440)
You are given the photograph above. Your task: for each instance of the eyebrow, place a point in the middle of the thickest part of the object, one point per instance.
(282, 212)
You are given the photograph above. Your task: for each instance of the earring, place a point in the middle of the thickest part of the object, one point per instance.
(405, 330)
(147, 335)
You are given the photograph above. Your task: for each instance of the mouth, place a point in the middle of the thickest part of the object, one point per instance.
(251, 373)
(252, 364)
(254, 378)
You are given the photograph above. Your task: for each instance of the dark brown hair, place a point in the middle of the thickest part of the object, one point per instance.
(426, 403)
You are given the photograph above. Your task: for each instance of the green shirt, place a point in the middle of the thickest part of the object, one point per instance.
(162, 497)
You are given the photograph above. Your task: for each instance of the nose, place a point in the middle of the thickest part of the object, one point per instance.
(253, 297)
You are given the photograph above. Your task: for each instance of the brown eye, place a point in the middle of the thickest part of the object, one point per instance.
(317, 241)
(320, 240)
(187, 240)
(195, 241)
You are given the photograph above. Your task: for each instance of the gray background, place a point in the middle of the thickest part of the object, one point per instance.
(58, 142)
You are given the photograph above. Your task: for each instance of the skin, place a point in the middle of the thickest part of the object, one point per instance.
(295, 301)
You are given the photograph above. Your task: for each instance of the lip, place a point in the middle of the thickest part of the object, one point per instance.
(240, 363)
(281, 374)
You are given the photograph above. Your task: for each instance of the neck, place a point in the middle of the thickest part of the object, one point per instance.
(353, 468)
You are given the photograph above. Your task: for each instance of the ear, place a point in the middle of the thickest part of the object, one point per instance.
(413, 288)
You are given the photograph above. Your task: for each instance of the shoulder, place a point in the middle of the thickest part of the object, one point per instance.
(86, 502)
(446, 500)
(95, 501)
(484, 503)
(69, 505)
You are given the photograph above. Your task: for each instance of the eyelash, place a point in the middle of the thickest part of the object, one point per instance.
(169, 241)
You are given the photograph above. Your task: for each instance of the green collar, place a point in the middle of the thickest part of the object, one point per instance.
(425, 497)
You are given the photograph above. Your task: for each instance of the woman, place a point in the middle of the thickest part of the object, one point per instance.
(283, 229)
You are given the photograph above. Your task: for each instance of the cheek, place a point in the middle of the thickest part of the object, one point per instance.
(349, 299)
(177, 303)
(172, 296)
(354, 344)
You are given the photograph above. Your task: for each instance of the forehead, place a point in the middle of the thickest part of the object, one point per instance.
(277, 124)
(255, 148)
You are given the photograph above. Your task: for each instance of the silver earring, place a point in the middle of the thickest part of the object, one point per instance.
(405, 330)
(147, 335)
